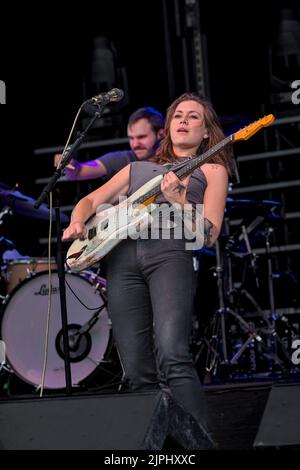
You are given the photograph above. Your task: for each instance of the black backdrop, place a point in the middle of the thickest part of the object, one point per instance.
(44, 54)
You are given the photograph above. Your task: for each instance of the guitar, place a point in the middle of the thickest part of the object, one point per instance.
(111, 225)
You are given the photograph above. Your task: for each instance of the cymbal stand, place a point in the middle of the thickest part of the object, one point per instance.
(268, 344)
(221, 310)
(271, 322)
(267, 234)
(217, 344)
(250, 254)
(227, 275)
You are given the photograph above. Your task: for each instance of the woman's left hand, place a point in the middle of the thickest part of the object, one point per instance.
(174, 189)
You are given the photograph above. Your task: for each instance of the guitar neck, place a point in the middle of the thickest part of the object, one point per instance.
(186, 168)
(195, 162)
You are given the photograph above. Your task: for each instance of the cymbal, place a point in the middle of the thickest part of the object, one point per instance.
(24, 205)
(231, 203)
(205, 251)
(252, 207)
(251, 210)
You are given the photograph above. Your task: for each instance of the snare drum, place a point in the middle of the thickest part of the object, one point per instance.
(19, 269)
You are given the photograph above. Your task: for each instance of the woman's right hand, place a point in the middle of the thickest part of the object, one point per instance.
(75, 230)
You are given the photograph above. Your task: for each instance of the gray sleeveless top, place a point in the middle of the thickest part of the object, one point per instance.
(141, 172)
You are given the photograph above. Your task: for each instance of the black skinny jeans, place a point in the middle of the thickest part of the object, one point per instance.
(150, 299)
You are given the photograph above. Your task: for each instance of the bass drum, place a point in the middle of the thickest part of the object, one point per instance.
(24, 325)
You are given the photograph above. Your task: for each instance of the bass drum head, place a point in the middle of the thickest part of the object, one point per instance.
(24, 325)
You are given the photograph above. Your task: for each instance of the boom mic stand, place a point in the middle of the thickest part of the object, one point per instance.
(66, 158)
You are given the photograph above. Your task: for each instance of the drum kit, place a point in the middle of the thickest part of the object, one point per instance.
(23, 320)
(246, 337)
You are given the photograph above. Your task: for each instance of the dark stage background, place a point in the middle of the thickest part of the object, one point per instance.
(46, 60)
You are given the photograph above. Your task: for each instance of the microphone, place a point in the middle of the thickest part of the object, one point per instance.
(114, 95)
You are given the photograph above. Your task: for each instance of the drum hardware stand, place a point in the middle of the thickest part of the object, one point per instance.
(215, 355)
(102, 291)
(275, 340)
(267, 234)
(5, 211)
(270, 325)
(4, 367)
(251, 255)
(4, 299)
(2, 354)
(66, 158)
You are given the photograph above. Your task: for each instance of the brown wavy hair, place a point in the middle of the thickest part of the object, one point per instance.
(165, 153)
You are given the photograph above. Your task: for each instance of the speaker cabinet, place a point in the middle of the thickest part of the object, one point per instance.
(109, 422)
(280, 424)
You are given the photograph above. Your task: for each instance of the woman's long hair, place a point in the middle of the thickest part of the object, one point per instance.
(165, 154)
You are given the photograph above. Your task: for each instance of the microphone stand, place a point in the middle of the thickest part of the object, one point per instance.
(66, 158)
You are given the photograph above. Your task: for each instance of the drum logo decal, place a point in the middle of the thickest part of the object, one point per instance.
(44, 290)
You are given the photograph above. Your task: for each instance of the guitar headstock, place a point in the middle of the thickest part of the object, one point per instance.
(251, 129)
